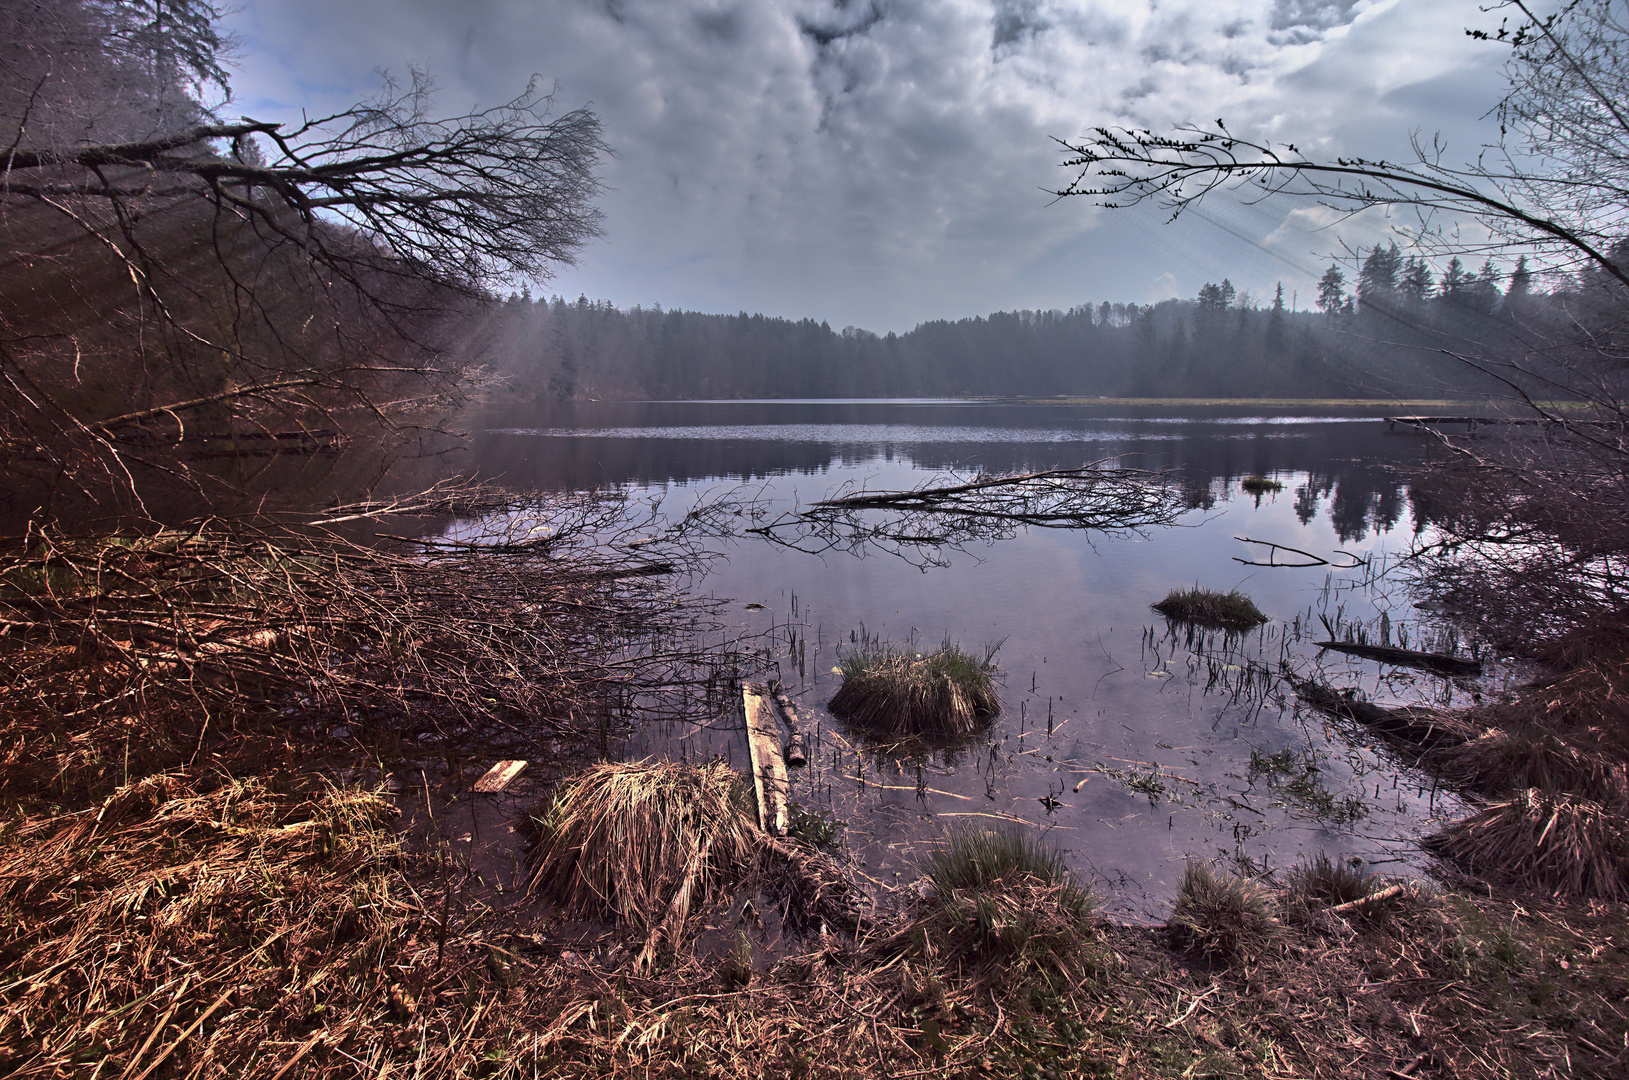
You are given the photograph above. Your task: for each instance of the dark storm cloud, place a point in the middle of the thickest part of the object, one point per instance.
(871, 161)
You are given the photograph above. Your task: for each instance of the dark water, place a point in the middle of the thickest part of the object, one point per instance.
(1147, 744)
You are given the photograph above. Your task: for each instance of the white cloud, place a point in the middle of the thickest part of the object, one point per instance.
(1163, 287)
(877, 162)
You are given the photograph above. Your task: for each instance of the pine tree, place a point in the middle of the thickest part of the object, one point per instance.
(1331, 287)
(1275, 324)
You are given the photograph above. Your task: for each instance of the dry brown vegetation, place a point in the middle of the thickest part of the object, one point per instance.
(191, 924)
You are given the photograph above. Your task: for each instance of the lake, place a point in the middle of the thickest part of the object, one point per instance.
(1132, 744)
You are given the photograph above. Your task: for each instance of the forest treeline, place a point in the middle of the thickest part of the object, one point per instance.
(1397, 332)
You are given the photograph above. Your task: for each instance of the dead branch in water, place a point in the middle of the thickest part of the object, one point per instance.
(1313, 560)
(917, 524)
(1441, 663)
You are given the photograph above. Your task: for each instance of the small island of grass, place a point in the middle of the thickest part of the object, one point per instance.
(946, 694)
(1260, 485)
(1208, 607)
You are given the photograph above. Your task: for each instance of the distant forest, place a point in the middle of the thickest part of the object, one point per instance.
(1389, 334)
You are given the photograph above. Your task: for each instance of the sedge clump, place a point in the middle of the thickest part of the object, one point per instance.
(1210, 607)
(896, 693)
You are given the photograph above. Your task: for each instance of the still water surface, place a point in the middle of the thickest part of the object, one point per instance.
(1131, 744)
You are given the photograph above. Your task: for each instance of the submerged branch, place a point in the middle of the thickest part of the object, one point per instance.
(920, 523)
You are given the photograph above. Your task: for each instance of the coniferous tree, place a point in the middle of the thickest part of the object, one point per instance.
(1331, 287)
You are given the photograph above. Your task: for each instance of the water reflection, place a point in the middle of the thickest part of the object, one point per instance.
(1134, 744)
(1351, 461)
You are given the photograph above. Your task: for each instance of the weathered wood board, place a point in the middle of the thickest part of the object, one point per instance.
(499, 776)
(768, 768)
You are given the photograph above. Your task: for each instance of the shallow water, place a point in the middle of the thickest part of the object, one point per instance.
(1132, 744)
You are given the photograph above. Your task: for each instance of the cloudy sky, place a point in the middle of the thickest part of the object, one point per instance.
(882, 162)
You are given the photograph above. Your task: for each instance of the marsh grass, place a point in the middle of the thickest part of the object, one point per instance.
(1208, 607)
(1329, 882)
(639, 844)
(896, 693)
(1560, 843)
(1220, 915)
(1502, 760)
(642, 845)
(1003, 903)
(1260, 485)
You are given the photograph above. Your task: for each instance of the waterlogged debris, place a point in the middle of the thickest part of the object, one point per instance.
(1440, 663)
(499, 777)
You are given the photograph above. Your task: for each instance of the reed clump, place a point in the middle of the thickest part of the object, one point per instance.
(644, 844)
(1221, 915)
(1260, 485)
(1560, 843)
(1003, 904)
(1209, 607)
(897, 693)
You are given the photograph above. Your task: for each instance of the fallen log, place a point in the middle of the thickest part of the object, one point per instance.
(1418, 727)
(1441, 663)
(796, 754)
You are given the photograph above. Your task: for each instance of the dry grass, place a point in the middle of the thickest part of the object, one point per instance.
(1208, 607)
(1260, 485)
(641, 844)
(1502, 760)
(644, 844)
(247, 929)
(182, 900)
(1221, 916)
(1552, 841)
(896, 693)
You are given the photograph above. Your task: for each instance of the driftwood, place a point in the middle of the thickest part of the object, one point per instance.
(764, 750)
(1418, 727)
(1388, 893)
(499, 777)
(1441, 663)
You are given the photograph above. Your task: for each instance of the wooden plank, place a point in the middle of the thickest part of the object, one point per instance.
(764, 750)
(499, 776)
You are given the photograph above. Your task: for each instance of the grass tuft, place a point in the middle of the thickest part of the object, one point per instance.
(627, 841)
(1208, 607)
(1260, 485)
(1562, 844)
(897, 693)
(1003, 901)
(1327, 882)
(1221, 915)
